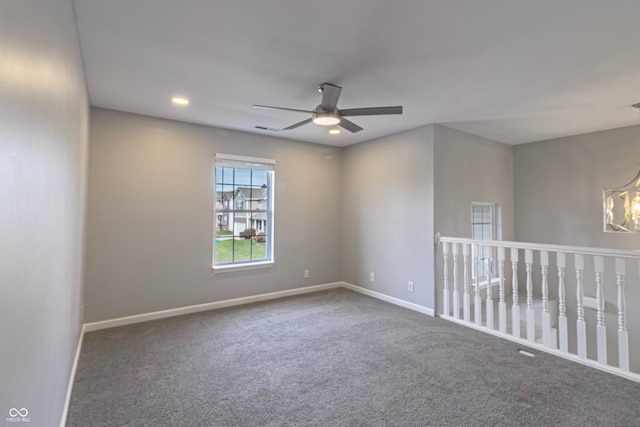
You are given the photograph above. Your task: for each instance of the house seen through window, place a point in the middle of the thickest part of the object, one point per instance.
(243, 211)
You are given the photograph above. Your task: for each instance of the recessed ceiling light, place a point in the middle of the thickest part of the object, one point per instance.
(334, 131)
(178, 100)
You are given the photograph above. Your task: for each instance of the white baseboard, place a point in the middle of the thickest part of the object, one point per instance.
(389, 299)
(121, 321)
(128, 320)
(72, 377)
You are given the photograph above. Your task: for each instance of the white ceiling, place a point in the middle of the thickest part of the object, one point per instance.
(513, 71)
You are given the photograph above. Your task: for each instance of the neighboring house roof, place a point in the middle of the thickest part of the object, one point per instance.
(224, 195)
(250, 193)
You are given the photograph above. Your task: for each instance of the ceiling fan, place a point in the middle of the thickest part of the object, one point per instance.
(328, 114)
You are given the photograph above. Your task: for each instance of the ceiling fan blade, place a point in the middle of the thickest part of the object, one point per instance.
(297, 125)
(268, 107)
(330, 96)
(373, 111)
(350, 126)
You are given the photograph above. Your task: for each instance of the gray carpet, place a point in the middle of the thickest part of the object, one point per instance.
(334, 358)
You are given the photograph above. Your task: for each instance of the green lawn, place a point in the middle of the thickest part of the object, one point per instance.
(228, 250)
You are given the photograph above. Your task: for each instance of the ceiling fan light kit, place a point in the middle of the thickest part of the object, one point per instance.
(325, 118)
(328, 114)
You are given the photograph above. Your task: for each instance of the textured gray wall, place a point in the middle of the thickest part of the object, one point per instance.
(43, 145)
(387, 217)
(150, 215)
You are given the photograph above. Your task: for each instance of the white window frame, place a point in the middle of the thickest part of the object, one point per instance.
(255, 163)
(495, 234)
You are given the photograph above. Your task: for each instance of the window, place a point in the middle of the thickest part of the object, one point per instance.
(244, 203)
(483, 227)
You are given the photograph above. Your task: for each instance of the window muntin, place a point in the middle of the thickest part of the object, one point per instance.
(243, 211)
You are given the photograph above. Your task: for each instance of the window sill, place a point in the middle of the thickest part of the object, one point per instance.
(239, 267)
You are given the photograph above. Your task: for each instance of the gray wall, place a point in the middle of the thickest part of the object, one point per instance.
(559, 187)
(387, 216)
(150, 215)
(469, 168)
(43, 143)
(558, 195)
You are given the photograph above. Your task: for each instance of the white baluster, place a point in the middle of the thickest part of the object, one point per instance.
(546, 316)
(531, 326)
(477, 301)
(623, 337)
(466, 297)
(489, 252)
(445, 291)
(456, 292)
(515, 308)
(562, 304)
(502, 305)
(581, 325)
(601, 330)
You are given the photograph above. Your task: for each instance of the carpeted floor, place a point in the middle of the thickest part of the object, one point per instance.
(334, 358)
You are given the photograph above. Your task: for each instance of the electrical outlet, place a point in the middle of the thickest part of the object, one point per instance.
(372, 277)
(306, 274)
(410, 286)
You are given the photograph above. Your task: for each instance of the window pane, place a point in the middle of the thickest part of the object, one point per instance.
(486, 215)
(224, 223)
(476, 215)
(476, 231)
(239, 223)
(259, 178)
(258, 249)
(242, 210)
(486, 232)
(224, 175)
(259, 223)
(242, 250)
(224, 249)
(259, 198)
(242, 177)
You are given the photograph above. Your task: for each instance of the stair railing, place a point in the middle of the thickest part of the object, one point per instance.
(589, 327)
